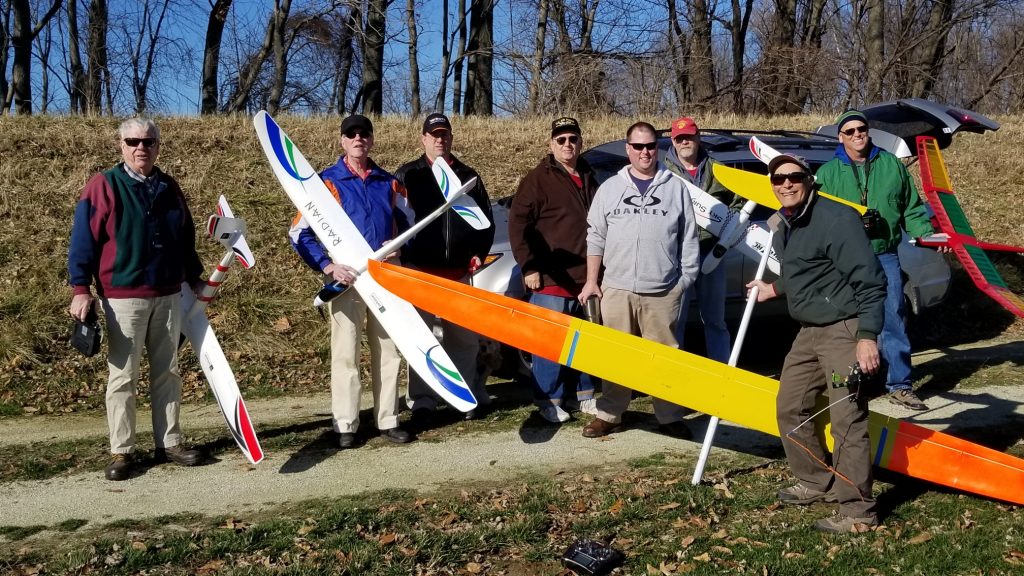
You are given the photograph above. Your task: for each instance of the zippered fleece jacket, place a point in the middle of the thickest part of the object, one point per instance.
(890, 190)
(132, 246)
(648, 242)
(446, 245)
(547, 223)
(376, 205)
(829, 272)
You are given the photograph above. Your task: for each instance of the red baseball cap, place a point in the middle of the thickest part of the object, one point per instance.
(684, 126)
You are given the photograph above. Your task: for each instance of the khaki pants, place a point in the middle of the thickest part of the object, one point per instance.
(134, 323)
(820, 356)
(348, 315)
(652, 317)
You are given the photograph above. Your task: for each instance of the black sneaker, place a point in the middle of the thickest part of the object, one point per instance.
(676, 430)
(120, 467)
(180, 455)
(346, 440)
(905, 397)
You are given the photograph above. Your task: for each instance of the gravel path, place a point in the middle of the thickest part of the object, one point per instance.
(232, 487)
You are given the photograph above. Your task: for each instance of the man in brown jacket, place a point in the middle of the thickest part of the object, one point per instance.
(547, 227)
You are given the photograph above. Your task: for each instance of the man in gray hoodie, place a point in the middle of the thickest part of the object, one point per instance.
(641, 230)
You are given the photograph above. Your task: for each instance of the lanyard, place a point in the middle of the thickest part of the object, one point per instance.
(856, 176)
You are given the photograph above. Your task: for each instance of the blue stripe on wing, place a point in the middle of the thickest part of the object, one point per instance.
(447, 379)
(279, 145)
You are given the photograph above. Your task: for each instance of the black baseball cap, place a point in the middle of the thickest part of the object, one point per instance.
(565, 124)
(356, 122)
(436, 121)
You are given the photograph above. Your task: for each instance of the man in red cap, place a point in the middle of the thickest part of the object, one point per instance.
(688, 160)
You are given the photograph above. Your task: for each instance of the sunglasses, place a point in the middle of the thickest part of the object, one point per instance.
(361, 133)
(794, 177)
(561, 140)
(855, 130)
(638, 146)
(146, 142)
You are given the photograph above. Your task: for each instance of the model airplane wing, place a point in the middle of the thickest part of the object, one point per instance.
(195, 327)
(668, 373)
(346, 244)
(731, 228)
(758, 187)
(466, 206)
(950, 219)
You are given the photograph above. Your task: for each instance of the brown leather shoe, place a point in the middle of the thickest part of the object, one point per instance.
(180, 455)
(597, 428)
(120, 468)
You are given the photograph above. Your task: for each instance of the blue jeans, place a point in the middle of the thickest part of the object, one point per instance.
(709, 289)
(550, 378)
(893, 344)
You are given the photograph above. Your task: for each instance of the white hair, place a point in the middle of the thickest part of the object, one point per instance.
(145, 124)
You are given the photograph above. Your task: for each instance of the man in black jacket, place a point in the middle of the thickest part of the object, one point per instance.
(447, 247)
(836, 291)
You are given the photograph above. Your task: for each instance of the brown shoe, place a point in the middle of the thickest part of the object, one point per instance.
(597, 428)
(180, 455)
(120, 468)
(676, 430)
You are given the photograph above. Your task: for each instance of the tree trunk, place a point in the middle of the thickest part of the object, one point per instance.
(874, 58)
(5, 45)
(44, 43)
(373, 57)
(479, 73)
(345, 59)
(738, 32)
(144, 54)
(446, 58)
(811, 32)
(537, 62)
(211, 56)
(280, 47)
(702, 64)
(22, 36)
(926, 59)
(414, 67)
(76, 84)
(250, 71)
(96, 47)
(460, 55)
(677, 49)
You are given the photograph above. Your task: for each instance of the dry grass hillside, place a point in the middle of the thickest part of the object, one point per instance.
(264, 320)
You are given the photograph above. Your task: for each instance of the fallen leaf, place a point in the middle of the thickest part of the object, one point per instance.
(670, 506)
(722, 550)
(140, 546)
(792, 555)
(211, 567)
(283, 325)
(686, 542)
(474, 568)
(705, 557)
(617, 506)
(920, 538)
(387, 538)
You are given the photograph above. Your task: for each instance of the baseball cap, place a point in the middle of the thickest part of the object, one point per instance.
(356, 122)
(784, 158)
(565, 124)
(684, 126)
(436, 121)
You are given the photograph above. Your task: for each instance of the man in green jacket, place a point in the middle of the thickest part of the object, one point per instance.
(836, 291)
(864, 173)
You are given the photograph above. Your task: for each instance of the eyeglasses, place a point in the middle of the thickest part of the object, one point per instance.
(855, 130)
(360, 133)
(684, 138)
(561, 140)
(638, 146)
(794, 177)
(146, 142)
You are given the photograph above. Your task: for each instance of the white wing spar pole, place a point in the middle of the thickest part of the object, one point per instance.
(709, 436)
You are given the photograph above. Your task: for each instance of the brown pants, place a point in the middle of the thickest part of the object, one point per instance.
(820, 356)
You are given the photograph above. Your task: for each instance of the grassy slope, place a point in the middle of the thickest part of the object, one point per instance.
(276, 342)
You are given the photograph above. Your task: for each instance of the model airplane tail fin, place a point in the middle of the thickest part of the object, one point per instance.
(467, 208)
(230, 232)
(950, 219)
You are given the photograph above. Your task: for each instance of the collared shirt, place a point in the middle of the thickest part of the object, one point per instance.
(150, 182)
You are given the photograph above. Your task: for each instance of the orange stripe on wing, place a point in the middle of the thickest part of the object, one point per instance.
(530, 328)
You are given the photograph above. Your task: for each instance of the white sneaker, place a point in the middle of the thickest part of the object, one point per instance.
(554, 414)
(589, 406)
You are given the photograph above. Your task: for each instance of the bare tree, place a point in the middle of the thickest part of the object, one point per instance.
(98, 74)
(143, 52)
(343, 59)
(22, 36)
(739, 21)
(479, 98)
(372, 91)
(446, 56)
(5, 47)
(211, 55)
(537, 61)
(414, 69)
(459, 60)
(677, 42)
(249, 70)
(702, 69)
(76, 72)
